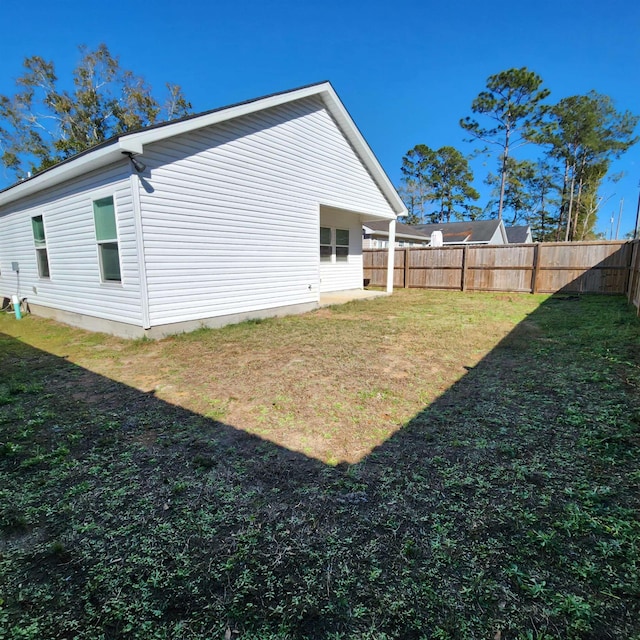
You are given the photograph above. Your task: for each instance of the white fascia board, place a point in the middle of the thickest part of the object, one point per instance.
(343, 118)
(364, 215)
(74, 168)
(410, 237)
(134, 143)
(399, 235)
(333, 104)
(206, 120)
(374, 232)
(377, 217)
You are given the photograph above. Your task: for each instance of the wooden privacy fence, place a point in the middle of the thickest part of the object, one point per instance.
(633, 291)
(580, 267)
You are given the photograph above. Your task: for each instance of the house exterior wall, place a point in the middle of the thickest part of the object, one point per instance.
(336, 275)
(74, 285)
(223, 224)
(230, 213)
(371, 242)
(499, 236)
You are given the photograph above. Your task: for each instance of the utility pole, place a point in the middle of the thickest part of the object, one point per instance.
(619, 216)
(613, 217)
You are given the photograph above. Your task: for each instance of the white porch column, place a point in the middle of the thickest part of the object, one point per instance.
(391, 255)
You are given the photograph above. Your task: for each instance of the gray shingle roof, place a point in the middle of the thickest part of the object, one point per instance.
(516, 235)
(469, 231)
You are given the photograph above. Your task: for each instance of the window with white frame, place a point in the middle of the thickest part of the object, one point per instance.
(104, 215)
(40, 242)
(342, 245)
(326, 249)
(334, 245)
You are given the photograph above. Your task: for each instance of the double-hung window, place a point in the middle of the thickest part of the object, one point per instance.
(326, 248)
(334, 245)
(104, 215)
(342, 245)
(40, 242)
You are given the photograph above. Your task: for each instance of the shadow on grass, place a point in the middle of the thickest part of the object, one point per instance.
(505, 509)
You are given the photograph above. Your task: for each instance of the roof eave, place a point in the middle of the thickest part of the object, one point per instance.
(135, 142)
(399, 235)
(342, 117)
(74, 168)
(331, 101)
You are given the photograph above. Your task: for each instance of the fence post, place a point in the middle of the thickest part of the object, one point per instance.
(463, 283)
(405, 276)
(630, 278)
(627, 281)
(632, 265)
(536, 262)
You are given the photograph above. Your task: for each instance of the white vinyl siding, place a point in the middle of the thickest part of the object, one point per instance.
(225, 220)
(75, 283)
(340, 275)
(497, 237)
(231, 223)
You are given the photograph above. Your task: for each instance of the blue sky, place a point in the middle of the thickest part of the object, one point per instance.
(406, 71)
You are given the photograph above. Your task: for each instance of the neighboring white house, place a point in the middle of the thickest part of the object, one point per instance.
(375, 235)
(246, 211)
(470, 232)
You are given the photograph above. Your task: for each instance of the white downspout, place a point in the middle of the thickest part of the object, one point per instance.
(134, 182)
(391, 255)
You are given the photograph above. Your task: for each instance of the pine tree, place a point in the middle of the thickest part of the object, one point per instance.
(511, 104)
(441, 179)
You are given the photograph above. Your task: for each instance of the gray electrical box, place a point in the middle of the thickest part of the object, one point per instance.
(15, 266)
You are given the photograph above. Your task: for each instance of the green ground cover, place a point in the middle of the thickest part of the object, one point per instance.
(430, 465)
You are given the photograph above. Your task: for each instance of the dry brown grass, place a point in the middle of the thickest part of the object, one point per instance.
(332, 384)
(505, 506)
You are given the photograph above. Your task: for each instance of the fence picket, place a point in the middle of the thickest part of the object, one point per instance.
(583, 267)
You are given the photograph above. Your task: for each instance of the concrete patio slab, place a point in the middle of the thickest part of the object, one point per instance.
(340, 297)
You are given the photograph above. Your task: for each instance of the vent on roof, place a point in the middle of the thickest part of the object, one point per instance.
(436, 239)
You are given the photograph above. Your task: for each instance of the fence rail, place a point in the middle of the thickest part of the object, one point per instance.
(577, 267)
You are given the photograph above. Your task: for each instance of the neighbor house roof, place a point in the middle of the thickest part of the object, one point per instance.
(470, 232)
(134, 142)
(518, 235)
(381, 228)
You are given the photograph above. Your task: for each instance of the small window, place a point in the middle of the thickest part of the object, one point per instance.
(334, 242)
(40, 242)
(342, 245)
(325, 244)
(104, 215)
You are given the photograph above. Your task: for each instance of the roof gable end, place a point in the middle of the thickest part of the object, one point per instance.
(134, 143)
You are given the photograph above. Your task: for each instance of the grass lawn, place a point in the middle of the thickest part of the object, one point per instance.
(430, 465)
